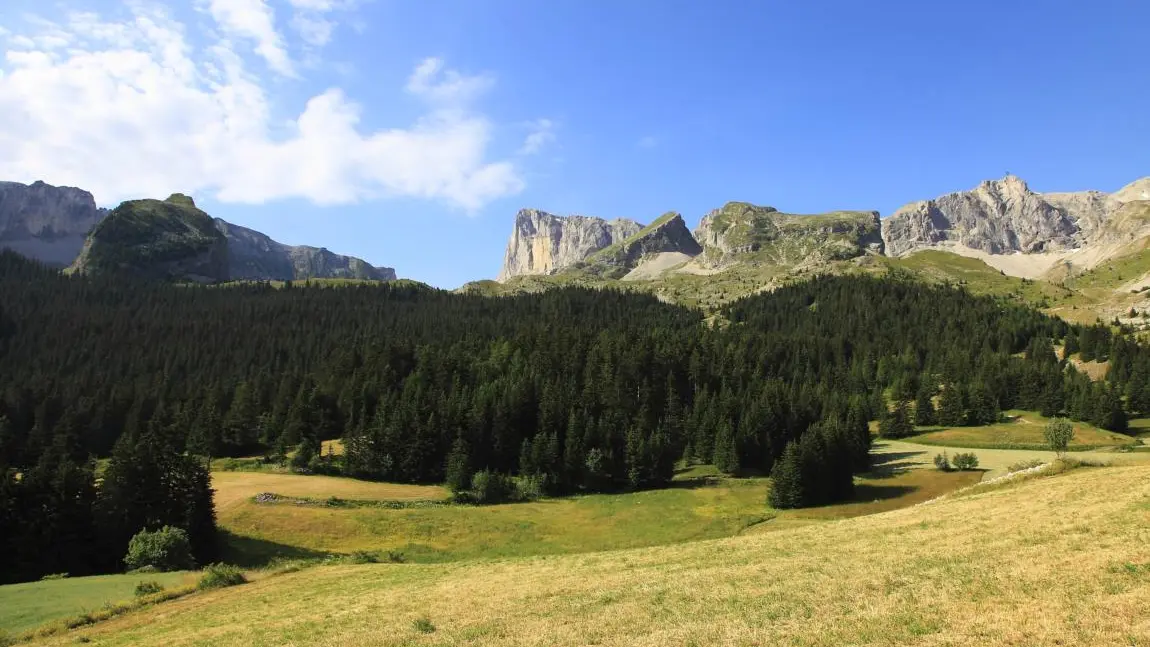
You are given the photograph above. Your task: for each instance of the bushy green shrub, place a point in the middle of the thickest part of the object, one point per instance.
(217, 576)
(54, 576)
(491, 487)
(396, 557)
(964, 462)
(364, 557)
(942, 462)
(166, 549)
(148, 587)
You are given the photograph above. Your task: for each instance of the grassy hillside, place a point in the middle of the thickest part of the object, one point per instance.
(1021, 430)
(699, 506)
(1049, 561)
(28, 605)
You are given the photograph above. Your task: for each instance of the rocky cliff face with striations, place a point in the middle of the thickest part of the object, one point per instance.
(542, 243)
(45, 222)
(739, 228)
(667, 234)
(255, 256)
(164, 239)
(1006, 216)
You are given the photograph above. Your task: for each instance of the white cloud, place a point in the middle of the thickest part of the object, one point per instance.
(161, 115)
(542, 133)
(253, 20)
(431, 81)
(314, 31)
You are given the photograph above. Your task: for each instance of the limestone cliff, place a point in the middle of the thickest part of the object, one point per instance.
(255, 256)
(543, 243)
(164, 239)
(45, 222)
(740, 228)
(1005, 216)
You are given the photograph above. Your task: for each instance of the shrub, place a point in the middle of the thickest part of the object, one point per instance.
(364, 557)
(942, 462)
(148, 587)
(491, 487)
(529, 488)
(218, 576)
(166, 549)
(396, 557)
(965, 462)
(54, 576)
(423, 625)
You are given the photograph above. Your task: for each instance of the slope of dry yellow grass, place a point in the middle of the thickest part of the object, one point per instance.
(1052, 561)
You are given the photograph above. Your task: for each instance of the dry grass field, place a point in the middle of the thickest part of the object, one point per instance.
(1059, 560)
(1020, 430)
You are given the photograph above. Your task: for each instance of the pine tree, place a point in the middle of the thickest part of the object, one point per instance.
(726, 458)
(951, 412)
(787, 480)
(924, 405)
(458, 468)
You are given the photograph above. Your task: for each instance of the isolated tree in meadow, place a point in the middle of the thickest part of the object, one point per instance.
(1058, 433)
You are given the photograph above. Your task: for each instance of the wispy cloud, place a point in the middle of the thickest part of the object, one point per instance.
(253, 20)
(542, 133)
(433, 82)
(170, 108)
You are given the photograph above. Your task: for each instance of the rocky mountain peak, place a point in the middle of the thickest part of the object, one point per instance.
(543, 243)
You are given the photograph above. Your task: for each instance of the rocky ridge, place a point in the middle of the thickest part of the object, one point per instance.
(50, 224)
(255, 256)
(1005, 216)
(45, 222)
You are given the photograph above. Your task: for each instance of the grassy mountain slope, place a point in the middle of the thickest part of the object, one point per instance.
(169, 239)
(1050, 561)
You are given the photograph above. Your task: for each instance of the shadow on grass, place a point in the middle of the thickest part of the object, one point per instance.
(249, 552)
(886, 465)
(867, 493)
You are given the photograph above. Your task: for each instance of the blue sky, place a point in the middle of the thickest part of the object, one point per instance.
(409, 133)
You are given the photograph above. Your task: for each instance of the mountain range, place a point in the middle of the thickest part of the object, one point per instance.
(1086, 249)
(1082, 255)
(62, 227)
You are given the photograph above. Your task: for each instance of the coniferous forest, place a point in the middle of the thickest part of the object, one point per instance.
(577, 389)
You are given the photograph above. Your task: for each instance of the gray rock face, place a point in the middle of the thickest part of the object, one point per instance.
(255, 256)
(46, 222)
(542, 243)
(667, 234)
(1005, 216)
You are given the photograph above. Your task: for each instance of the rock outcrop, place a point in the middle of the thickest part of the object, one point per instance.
(542, 243)
(1005, 216)
(255, 256)
(163, 239)
(739, 228)
(45, 222)
(668, 234)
